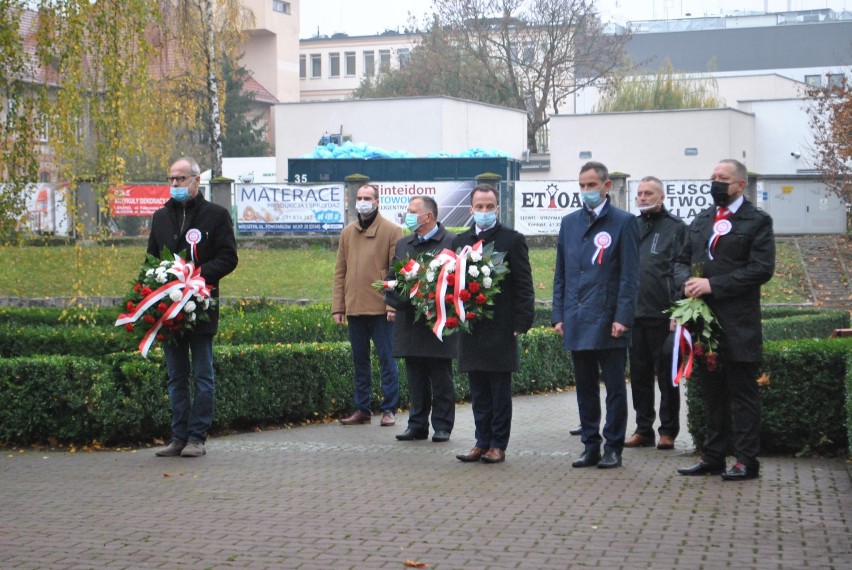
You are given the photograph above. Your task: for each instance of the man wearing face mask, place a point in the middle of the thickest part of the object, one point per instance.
(428, 360)
(661, 236)
(734, 245)
(363, 257)
(595, 286)
(489, 354)
(189, 223)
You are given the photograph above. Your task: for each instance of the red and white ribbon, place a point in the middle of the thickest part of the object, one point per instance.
(720, 228)
(447, 259)
(602, 241)
(188, 279)
(461, 276)
(682, 355)
(193, 238)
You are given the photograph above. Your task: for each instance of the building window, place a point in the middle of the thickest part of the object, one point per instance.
(384, 59)
(813, 80)
(44, 176)
(280, 6)
(404, 55)
(349, 58)
(334, 64)
(316, 65)
(835, 80)
(369, 63)
(303, 66)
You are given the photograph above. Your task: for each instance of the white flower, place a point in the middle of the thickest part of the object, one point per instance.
(191, 317)
(149, 273)
(434, 264)
(175, 296)
(189, 307)
(475, 256)
(199, 298)
(160, 270)
(451, 266)
(430, 276)
(206, 304)
(486, 282)
(473, 271)
(486, 270)
(390, 285)
(161, 278)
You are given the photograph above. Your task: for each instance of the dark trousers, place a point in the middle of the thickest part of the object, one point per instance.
(650, 356)
(732, 401)
(430, 384)
(361, 330)
(611, 363)
(491, 400)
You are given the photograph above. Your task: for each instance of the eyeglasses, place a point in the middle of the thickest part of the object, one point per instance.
(178, 179)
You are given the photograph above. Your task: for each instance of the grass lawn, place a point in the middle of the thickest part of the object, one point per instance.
(288, 273)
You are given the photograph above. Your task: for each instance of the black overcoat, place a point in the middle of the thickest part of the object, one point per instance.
(743, 260)
(410, 337)
(492, 345)
(216, 253)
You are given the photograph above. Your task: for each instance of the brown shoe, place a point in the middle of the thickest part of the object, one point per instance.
(494, 455)
(388, 419)
(637, 440)
(358, 417)
(666, 442)
(475, 454)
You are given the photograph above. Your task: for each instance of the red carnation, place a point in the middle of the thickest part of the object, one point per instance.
(168, 322)
(470, 316)
(130, 306)
(161, 337)
(448, 298)
(698, 349)
(464, 295)
(128, 327)
(149, 319)
(137, 287)
(419, 294)
(145, 291)
(452, 322)
(473, 286)
(162, 307)
(179, 318)
(712, 364)
(431, 295)
(481, 299)
(451, 279)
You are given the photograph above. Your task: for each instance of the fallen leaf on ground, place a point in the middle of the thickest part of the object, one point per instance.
(763, 380)
(167, 474)
(413, 564)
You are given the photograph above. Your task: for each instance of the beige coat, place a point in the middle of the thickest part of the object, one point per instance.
(363, 257)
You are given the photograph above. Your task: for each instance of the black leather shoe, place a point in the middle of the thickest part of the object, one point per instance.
(609, 460)
(441, 436)
(409, 434)
(588, 459)
(703, 468)
(740, 472)
(577, 431)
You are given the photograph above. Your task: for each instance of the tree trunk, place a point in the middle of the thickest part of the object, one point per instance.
(213, 92)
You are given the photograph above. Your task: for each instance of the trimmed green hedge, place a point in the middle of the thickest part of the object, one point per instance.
(803, 405)
(124, 398)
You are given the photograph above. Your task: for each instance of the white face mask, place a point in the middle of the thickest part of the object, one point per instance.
(650, 207)
(365, 207)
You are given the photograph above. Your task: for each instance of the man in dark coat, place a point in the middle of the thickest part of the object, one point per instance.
(594, 298)
(428, 360)
(733, 244)
(661, 236)
(205, 231)
(490, 353)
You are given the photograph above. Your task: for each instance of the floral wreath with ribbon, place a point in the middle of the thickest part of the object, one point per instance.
(169, 298)
(450, 290)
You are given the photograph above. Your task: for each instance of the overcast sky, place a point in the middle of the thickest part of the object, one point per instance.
(367, 17)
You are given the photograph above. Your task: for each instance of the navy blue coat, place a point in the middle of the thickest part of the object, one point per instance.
(594, 287)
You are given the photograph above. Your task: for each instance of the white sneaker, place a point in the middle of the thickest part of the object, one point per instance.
(193, 449)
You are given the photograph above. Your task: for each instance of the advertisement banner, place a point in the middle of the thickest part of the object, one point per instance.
(44, 210)
(453, 200)
(540, 205)
(137, 201)
(281, 208)
(684, 198)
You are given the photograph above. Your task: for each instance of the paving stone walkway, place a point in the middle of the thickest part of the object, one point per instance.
(336, 497)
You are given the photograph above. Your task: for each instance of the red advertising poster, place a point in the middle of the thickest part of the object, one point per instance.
(137, 201)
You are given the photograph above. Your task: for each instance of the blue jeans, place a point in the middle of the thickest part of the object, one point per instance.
(361, 330)
(191, 418)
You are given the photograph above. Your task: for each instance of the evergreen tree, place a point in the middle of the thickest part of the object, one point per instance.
(245, 134)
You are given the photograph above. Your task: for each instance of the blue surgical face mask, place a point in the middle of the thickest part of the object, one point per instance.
(180, 193)
(592, 198)
(411, 221)
(485, 219)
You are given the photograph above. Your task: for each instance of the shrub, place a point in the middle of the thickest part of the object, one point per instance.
(802, 404)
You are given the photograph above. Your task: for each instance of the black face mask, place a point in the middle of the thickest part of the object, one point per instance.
(719, 191)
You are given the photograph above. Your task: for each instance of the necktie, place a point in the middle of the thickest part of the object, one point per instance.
(592, 216)
(723, 214)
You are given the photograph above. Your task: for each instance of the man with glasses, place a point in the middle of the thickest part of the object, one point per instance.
(189, 223)
(733, 245)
